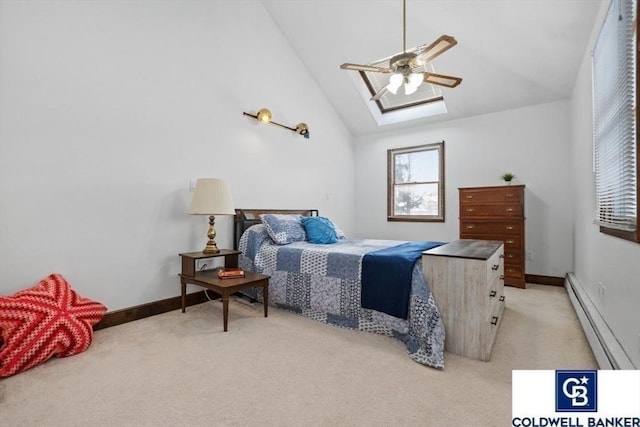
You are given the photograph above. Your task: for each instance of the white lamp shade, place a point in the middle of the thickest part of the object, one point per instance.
(211, 197)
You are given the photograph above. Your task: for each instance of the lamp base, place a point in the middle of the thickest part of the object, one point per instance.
(211, 247)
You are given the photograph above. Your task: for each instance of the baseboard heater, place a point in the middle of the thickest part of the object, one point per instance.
(606, 348)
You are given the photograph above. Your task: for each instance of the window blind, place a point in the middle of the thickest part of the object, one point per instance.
(614, 100)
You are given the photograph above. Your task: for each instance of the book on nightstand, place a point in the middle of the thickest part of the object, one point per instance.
(230, 273)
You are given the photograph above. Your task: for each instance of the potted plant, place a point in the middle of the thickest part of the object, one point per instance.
(508, 177)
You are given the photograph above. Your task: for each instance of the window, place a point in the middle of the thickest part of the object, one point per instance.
(415, 183)
(615, 122)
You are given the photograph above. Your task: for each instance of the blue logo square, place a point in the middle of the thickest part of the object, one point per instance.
(577, 391)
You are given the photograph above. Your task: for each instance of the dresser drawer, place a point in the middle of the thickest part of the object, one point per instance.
(513, 271)
(493, 317)
(491, 195)
(490, 327)
(495, 267)
(513, 256)
(495, 291)
(491, 209)
(475, 227)
(511, 243)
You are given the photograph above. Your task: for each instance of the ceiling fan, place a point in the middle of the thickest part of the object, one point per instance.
(408, 68)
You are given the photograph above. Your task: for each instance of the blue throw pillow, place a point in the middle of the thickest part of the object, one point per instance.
(319, 229)
(283, 229)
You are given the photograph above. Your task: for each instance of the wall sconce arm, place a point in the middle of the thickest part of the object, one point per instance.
(264, 116)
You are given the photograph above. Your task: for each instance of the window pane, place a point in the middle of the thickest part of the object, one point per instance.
(615, 139)
(416, 199)
(415, 183)
(418, 166)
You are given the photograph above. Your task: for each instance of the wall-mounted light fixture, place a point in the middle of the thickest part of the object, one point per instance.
(264, 116)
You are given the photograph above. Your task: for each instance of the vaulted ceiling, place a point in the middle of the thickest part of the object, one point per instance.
(510, 53)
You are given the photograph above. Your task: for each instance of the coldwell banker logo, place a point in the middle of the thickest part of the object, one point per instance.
(576, 398)
(576, 391)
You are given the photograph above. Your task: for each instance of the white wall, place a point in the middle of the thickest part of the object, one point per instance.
(531, 142)
(109, 109)
(601, 259)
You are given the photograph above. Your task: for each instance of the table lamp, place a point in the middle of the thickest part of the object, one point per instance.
(211, 197)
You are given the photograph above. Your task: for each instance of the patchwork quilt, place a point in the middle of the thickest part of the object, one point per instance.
(323, 282)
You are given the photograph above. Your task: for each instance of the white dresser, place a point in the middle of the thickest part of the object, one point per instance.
(466, 278)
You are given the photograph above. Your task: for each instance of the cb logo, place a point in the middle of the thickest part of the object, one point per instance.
(576, 391)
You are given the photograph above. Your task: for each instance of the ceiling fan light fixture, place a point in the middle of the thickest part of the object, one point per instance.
(405, 66)
(415, 79)
(409, 89)
(395, 81)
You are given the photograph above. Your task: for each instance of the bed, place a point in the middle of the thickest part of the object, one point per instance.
(345, 283)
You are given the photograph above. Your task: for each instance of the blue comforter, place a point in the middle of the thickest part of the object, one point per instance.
(386, 277)
(324, 282)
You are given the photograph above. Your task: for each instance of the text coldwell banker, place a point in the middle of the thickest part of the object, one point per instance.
(575, 422)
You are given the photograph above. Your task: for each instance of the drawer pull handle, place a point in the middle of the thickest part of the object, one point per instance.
(495, 267)
(502, 298)
(509, 194)
(509, 227)
(492, 294)
(470, 209)
(510, 270)
(470, 226)
(469, 196)
(509, 242)
(502, 277)
(509, 209)
(494, 320)
(510, 256)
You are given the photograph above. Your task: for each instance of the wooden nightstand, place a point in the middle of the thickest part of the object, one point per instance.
(223, 287)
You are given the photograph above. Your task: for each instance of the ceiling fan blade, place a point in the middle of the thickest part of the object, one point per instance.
(358, 67)
(439, 46)
(379, 93)
(441, 79)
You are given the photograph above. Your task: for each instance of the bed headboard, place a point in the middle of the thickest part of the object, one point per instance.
(245, 218)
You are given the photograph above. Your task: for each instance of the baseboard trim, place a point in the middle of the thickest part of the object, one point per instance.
(544, 280)
(606, 348)
(138, 312)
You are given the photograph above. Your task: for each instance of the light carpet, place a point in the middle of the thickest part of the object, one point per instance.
(180, 369)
